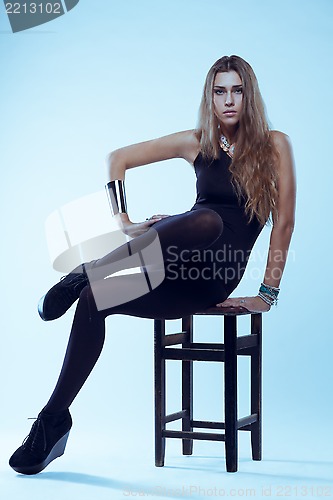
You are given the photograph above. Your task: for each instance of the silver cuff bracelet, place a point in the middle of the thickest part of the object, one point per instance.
(116, 196)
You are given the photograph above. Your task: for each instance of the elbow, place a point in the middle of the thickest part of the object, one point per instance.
(108, 158)
(115, 165)
(285, 226)
(112, 157)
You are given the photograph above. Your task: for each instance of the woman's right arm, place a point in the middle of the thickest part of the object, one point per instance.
(179, 145)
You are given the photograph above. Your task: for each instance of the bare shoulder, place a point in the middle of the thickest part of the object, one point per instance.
(281, 140)
(184, 144)
(286, 164)
(189, 145)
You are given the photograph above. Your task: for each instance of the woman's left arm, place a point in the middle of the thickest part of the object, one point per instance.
(282, 228)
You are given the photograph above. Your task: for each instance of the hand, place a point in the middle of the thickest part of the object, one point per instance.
(134, 229)
(252, 304)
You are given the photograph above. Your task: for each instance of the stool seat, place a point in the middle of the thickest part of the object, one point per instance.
(226, 352)
(224, 311)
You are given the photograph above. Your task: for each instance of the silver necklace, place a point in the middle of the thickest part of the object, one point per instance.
(226, 146)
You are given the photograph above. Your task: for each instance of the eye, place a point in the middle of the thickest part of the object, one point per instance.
(218, 91)
(239, 91)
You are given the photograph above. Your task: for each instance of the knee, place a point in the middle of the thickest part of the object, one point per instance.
(209, 224)
(87, 296)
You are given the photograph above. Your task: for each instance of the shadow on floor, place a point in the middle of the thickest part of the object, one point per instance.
(127, 488)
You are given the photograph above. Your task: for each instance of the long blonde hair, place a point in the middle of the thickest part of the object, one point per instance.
(253, 167)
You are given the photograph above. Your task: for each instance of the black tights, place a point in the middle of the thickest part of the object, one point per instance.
(173, 298)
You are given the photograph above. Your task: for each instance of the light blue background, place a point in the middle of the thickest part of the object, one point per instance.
(111, 73)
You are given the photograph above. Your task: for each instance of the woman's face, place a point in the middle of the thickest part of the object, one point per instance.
(228, 98)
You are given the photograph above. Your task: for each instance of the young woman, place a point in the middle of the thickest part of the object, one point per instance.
(245, 177)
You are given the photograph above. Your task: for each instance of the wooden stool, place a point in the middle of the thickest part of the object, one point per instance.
(233, 346)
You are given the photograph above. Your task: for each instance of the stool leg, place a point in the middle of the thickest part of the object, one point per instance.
(256, 383)
(230, 392)
(187, 386)
(159, 390)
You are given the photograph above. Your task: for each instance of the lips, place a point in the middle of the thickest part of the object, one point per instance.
(229, 113)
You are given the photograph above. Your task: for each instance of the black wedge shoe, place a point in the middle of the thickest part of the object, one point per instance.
(46, 441)
(62, 295)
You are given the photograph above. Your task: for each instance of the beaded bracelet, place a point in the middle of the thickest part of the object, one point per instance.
(269, 294)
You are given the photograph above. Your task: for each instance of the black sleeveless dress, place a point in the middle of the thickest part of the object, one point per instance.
(216, 191)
